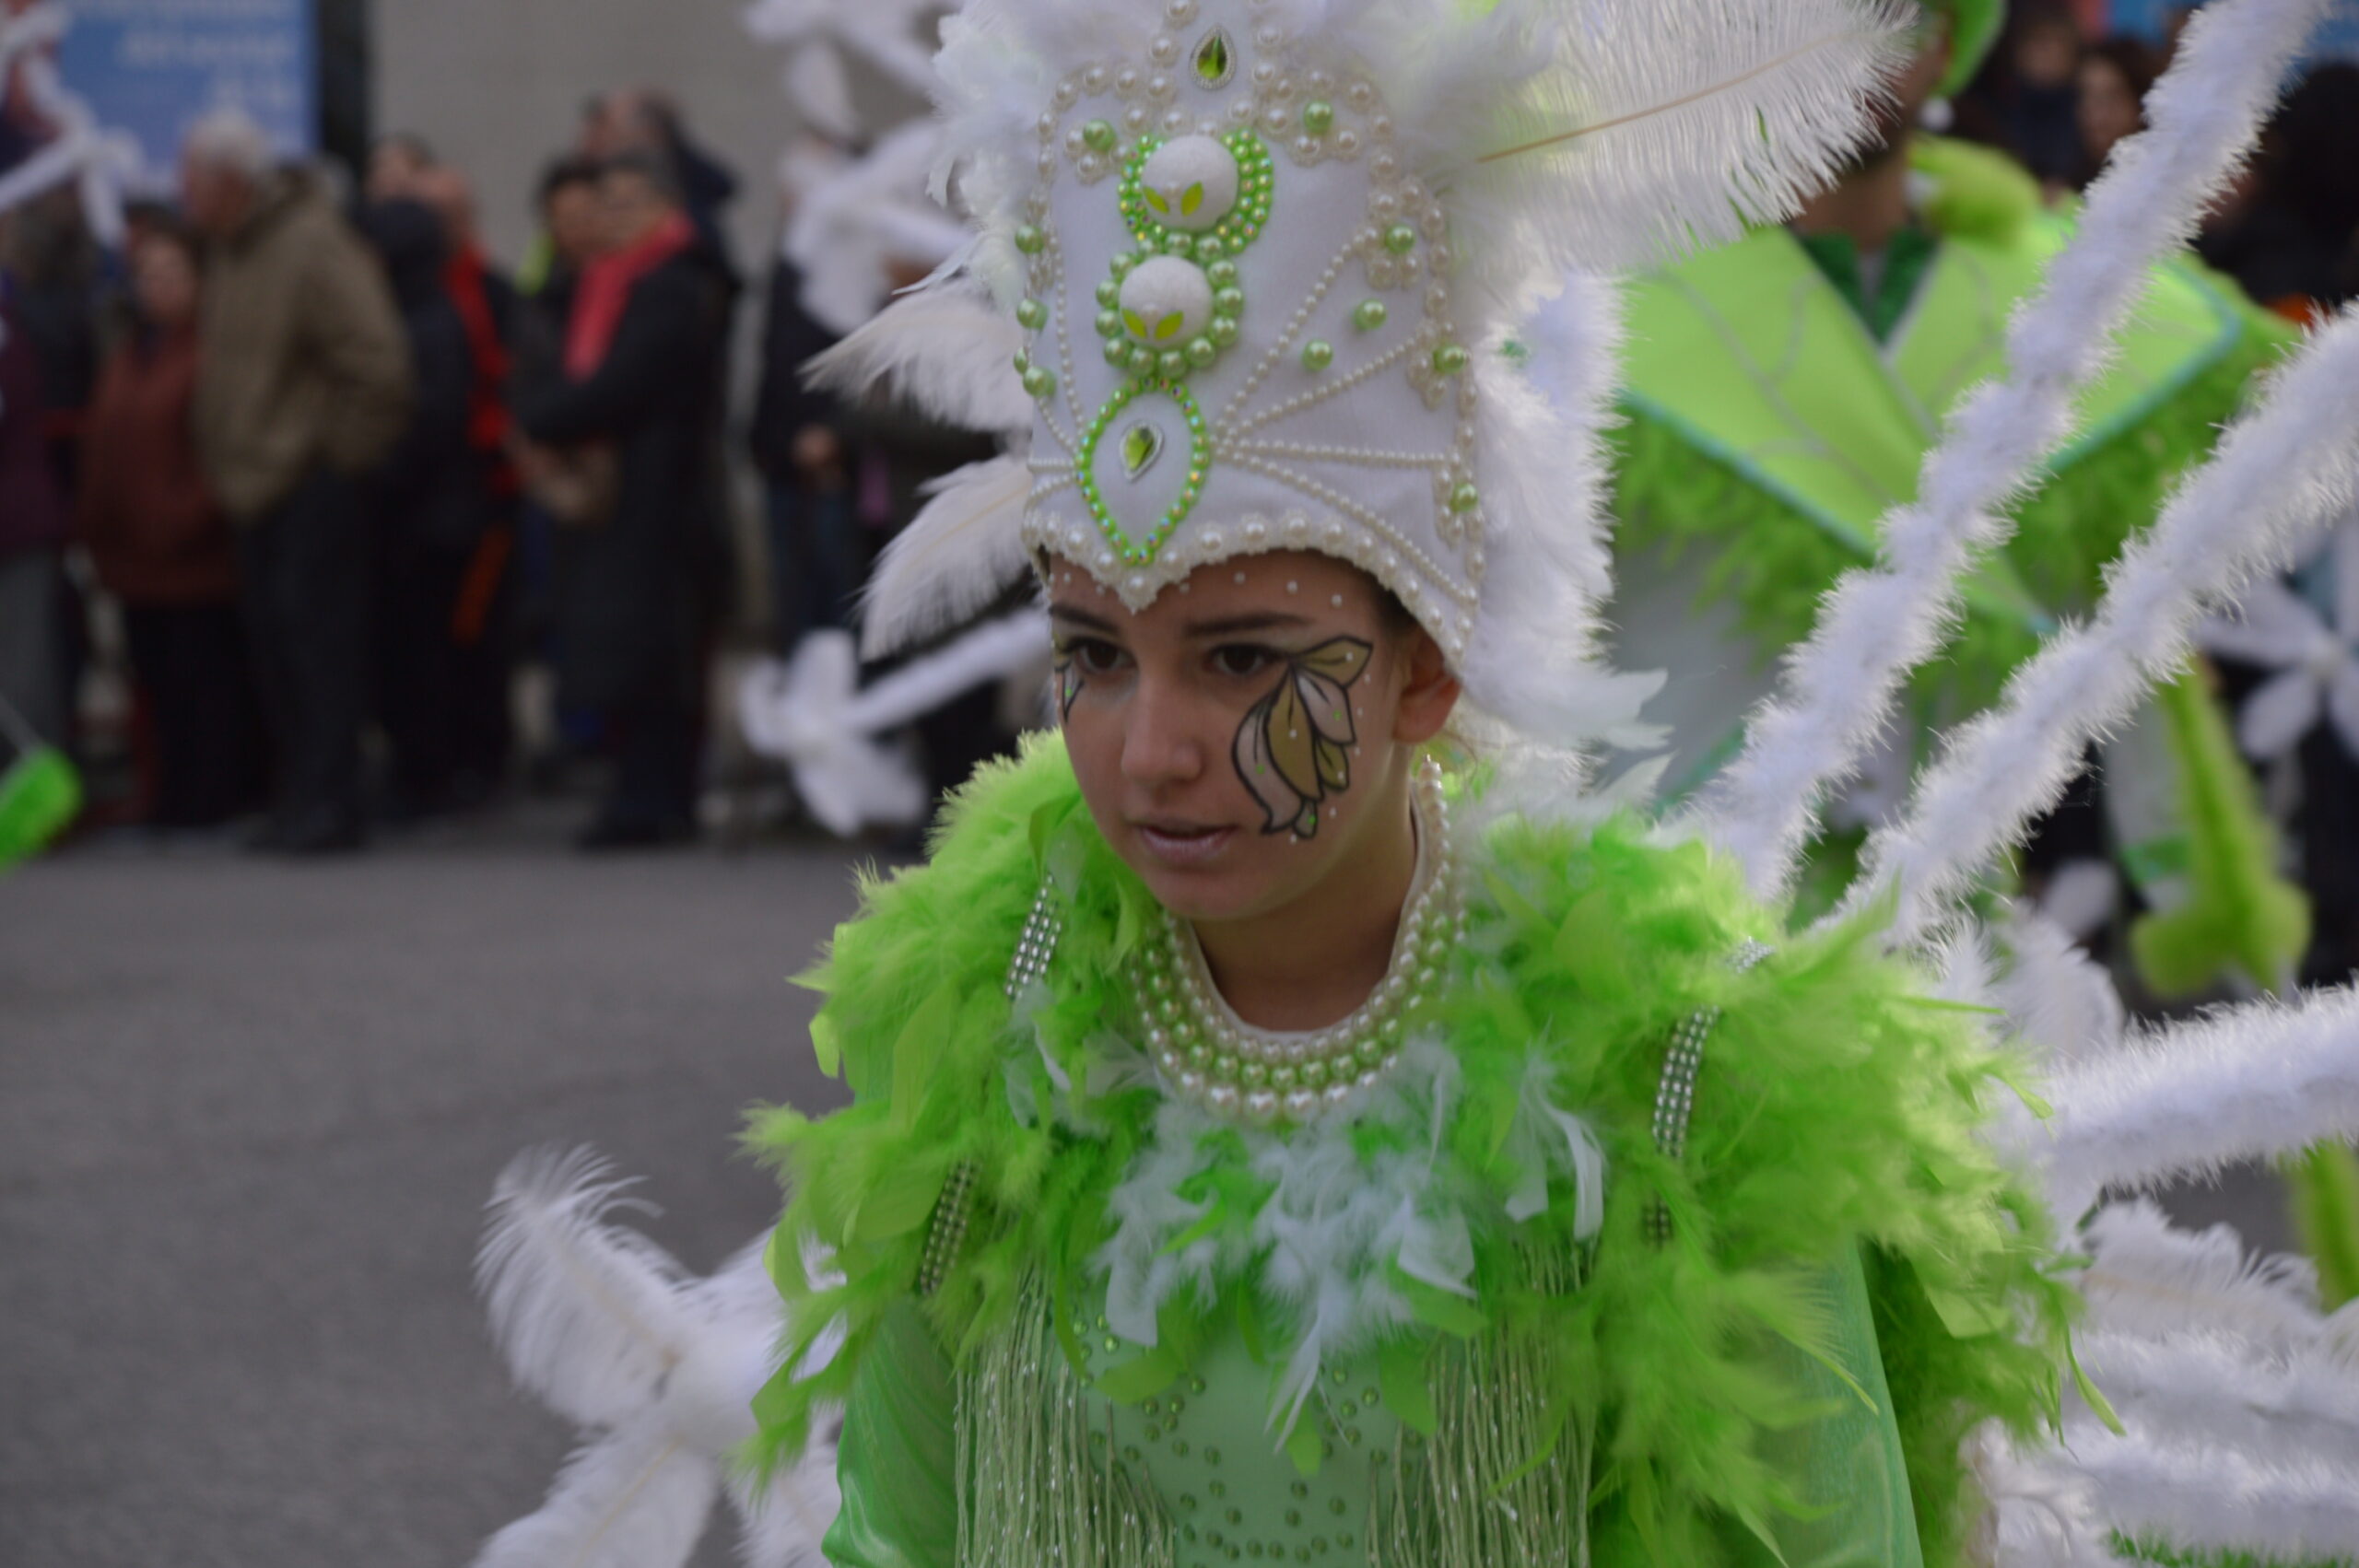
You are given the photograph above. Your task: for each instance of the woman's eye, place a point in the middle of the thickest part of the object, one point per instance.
(1241, 659)
(1092, 657)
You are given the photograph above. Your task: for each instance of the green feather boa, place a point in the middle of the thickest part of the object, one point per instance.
(1840, 1110)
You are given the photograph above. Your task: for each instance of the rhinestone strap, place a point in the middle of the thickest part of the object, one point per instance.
(1676, 1095)
(1038, 945)
(946, 1237)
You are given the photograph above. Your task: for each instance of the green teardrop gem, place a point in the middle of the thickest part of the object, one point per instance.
(1142, 444)
(1215, 61)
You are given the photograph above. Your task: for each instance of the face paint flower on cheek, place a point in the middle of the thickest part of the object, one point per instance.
(1293, 750)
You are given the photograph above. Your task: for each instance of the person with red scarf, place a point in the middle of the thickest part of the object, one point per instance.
(637, 406)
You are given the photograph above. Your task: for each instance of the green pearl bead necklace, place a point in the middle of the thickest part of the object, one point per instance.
(1210, 1058)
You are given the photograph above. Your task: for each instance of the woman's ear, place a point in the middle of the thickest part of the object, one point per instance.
(1428, 691)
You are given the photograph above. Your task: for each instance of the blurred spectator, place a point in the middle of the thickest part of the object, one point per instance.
(482, 620)
(2032, 94)
(639, 119)
(55, 269)
(816, 554)
(162, 547)
(2294, 241)
(632, 415)
(302, 387)
(395, 162)
(429, 516)
(32, 534)
(2114, 77)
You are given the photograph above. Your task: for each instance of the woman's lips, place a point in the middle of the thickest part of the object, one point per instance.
(1184, 846)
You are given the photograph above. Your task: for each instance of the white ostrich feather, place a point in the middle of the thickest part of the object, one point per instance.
(636, 1497)
(820, 89)
(2040, 1514)
(1838, 690)
(2148, 1278)
(1653, 126)
(958, 555)
(945, 349)
(2057, 999)
(2282, 473)
(2243, 1083)
(2214, 1498)
(2198, 1389)
(849, 227)
(587, 1314)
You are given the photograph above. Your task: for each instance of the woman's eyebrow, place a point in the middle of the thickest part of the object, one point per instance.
(1236, 626)
(1077, 616)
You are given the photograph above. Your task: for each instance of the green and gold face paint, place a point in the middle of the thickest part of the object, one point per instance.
(1294, 748)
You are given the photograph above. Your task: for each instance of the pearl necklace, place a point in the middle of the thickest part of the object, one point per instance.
(1208, 1056)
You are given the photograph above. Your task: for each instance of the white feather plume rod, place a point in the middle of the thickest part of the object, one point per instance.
(2199, 1388)
(2148, 1278)
(2244, 1083)
(2040, 1516)
(947, 349)
(2282, 474)
(1876, 625)
(959, 554)
(586, 1313)
(2212, 1498)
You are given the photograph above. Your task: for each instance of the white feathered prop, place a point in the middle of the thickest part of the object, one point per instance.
(657, 1367)
(1878, 623)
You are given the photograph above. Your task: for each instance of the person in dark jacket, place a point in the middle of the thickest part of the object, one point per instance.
(431, 512)
(33, 526)
(818, 558)
(161, 545)
(640, 384)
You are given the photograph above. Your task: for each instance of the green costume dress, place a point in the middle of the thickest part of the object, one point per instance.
(1644, 1243)
(1779, 400)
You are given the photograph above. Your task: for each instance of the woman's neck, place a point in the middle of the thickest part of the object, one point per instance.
(1311, 963)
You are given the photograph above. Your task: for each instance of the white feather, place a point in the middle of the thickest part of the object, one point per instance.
(962, 551)
(587, 1314)
(820, 89)
(1646, 128)
(2214, 1498)
(2283, 473)
(2243, 1083)
(1839, 688)
(2147, 1278)
(2195, 1388)
(2057, 999)
(946, 350)
(2040, 1514)
(637, 1497)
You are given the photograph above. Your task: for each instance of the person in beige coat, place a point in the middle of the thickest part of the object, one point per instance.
(303, 387)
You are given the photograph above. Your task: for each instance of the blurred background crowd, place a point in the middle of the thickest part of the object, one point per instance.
(320, 522)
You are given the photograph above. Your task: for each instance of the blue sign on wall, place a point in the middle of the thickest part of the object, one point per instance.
(152, 66)
(2337, 36)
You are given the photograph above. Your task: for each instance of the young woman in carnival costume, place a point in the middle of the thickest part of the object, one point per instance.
(1293, 1115)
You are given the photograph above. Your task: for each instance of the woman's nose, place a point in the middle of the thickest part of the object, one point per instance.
(1159, 745)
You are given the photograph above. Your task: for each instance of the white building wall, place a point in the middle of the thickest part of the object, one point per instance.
(496, 88)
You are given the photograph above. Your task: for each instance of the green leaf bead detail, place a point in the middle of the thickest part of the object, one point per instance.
(1040, 381)
(1317, 116)
(1031, 239)
(1450, 360)
(1032, 315)
(1216, 60)
(1400, 238)
(1465, 499)
(1370, 314)
(1201, 352)
(1318, 354)
(1098, 135)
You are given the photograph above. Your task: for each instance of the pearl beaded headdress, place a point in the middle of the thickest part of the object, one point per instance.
(1309, 275)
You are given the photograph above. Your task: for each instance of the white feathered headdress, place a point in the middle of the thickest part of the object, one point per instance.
(1294, 275)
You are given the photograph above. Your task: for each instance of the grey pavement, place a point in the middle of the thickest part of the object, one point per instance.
(250, 1112)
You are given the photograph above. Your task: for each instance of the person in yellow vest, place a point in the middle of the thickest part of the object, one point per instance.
(1782, 393)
